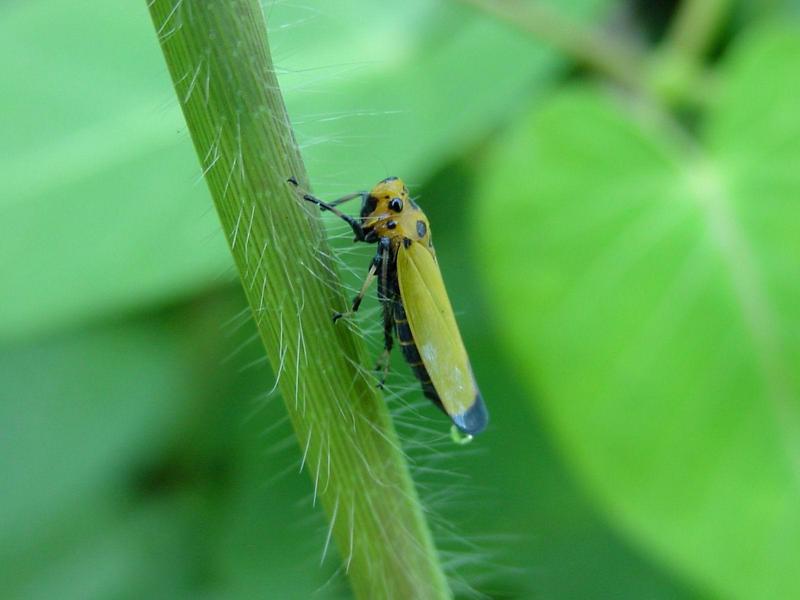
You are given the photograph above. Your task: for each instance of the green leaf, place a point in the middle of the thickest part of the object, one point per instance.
(75, 412)
(546, 530)
(647, 289)
(102, 210)
(101, 550)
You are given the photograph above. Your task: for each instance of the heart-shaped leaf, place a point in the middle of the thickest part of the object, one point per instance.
(647, 285)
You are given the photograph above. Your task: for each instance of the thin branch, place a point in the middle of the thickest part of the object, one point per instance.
(695, 27)
(594, 49)
(678, 73)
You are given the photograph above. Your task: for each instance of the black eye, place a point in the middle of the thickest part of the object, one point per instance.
(396, 204)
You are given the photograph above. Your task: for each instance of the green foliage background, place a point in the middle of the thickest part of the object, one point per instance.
(624, 271)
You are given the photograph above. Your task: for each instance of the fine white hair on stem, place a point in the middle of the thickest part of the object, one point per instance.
(193, 81)
(308, 445)
(235, 232)
(351, 537)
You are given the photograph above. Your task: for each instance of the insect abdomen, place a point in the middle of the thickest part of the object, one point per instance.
(411, 354)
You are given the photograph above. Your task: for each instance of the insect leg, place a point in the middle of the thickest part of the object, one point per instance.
(349, 197)
(371, 274)
(386, 296)
(354, 223)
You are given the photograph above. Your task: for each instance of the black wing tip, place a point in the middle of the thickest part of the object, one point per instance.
(473, 420)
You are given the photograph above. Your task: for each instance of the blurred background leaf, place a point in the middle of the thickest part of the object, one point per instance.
(99, 144)
(120, 459)
(103, 209)
(661, 316)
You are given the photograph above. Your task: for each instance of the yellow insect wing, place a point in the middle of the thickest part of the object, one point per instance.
(433, 326)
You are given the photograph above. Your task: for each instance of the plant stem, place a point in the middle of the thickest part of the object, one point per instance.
(594, 49)
(695, 27)
(218, 59)
(678, 75)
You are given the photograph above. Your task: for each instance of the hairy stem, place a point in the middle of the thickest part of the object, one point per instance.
(217, 55)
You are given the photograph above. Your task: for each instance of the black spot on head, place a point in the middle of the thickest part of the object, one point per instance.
(406, 242)
(396, 204)
(369, 205)
(391, 224)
